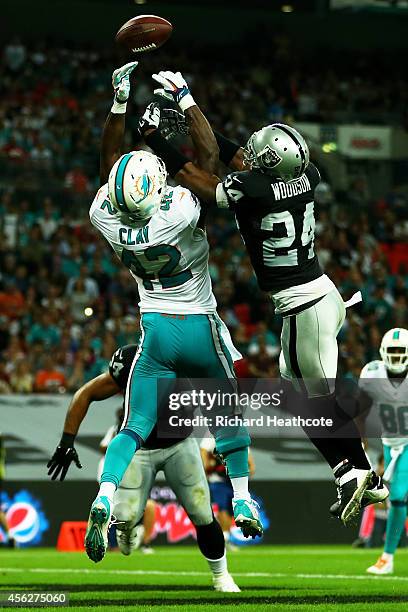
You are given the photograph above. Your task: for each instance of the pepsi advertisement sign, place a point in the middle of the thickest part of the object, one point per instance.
(25, 518)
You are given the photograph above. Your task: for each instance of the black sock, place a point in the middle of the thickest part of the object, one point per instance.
(339, 442)
(210, 540)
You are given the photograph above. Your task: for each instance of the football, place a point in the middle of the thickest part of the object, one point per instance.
(144, 33)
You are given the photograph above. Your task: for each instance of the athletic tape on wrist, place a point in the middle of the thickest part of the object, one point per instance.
(118, 108)
(186, 102)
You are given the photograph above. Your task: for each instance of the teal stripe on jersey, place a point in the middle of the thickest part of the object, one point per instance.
(396, 335)
(120, 172)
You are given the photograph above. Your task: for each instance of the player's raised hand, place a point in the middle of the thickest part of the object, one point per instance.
(121, 81)
(150, 120)
(173, 122)
(59, 463)
(173, 84)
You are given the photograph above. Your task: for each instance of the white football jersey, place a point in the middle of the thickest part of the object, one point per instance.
(168, 256)
(389, 400)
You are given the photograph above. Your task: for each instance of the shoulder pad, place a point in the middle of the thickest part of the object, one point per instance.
(371, 369)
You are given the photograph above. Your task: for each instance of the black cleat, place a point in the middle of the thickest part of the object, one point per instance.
(374, 494)
(351, 486)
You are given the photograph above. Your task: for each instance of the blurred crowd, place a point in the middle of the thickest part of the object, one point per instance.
(66, 302)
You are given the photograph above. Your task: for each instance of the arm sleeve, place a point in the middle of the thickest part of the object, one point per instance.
(227, 148)
(173, 159)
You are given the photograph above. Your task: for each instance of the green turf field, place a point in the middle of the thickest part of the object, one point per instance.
(176, 578)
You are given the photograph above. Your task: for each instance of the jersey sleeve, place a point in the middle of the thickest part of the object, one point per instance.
(187, 206)
(99, 214)
(121, 363)
(230, 191)
(369, 372)
(313, 175)
(240, 187)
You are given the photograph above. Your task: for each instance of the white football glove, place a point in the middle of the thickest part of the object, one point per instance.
(121, 85)
(150, 118)
(174, 85)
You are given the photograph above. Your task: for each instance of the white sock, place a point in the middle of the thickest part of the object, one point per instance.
(226, 535)
(388, 556)
(240, 486)
(218, 566)
(107, 489)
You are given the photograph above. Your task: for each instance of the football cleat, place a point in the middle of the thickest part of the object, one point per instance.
(374, 494)
(382, 567)
(129, 537)
(351, 486)
(246, 517)
(96, 537)
(224, 583)
(147, 549)
(231, 547)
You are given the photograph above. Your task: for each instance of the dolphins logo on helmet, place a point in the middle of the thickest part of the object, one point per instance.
(137, 184)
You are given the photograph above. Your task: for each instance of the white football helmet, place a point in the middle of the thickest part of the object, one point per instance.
(136, 184)
(394, 350)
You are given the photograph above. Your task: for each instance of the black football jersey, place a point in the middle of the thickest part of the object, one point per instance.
(276, 221)
(119, 369)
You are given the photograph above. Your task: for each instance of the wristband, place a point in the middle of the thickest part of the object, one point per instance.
(67, 440)
(227, 148)
(186, 102)
(174, 160)
(118, 108)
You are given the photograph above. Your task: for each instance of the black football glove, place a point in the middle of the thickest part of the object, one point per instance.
(173, 122)
(64, 454)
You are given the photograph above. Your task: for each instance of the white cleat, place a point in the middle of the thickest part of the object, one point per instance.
(246, 517)
(146, 549)
(129, 538)
(382, 567)
(225, 584)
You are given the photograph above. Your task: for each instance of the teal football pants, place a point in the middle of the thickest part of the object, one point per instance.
(398, 498)
(175, 346)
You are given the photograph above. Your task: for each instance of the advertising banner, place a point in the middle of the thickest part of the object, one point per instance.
(364, 141)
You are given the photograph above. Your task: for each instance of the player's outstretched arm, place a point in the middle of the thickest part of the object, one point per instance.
(98, 389)
(114, 128)
(174, 86)
(207, 141)
(187, 174)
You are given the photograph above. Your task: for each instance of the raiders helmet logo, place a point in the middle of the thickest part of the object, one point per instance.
(268, 157)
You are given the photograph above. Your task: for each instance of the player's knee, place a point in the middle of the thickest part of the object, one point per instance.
(198, 507)
(124, 512)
